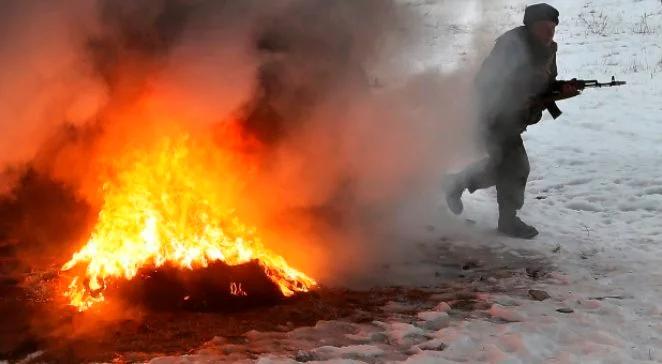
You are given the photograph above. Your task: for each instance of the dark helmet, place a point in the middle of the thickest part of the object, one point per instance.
(538, 12)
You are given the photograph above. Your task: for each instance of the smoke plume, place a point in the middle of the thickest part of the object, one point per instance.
(350, 143)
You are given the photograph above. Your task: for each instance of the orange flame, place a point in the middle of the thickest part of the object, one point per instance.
(160, 208)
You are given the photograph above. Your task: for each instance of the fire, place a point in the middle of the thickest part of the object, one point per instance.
(159, 208)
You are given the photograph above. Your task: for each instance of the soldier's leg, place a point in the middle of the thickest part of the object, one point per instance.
(511, 176)
(479, 175)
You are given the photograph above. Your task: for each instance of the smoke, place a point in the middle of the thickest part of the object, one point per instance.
(45, 80)
(352, 142)
(361, 162)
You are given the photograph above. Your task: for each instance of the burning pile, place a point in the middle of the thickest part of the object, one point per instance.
(160, 209)
(276, 75)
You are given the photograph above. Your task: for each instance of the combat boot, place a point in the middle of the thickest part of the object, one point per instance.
(454, 187)
(513, 226)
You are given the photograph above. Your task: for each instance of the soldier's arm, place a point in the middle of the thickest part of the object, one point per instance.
(554, 69)
(550, 104)
(498, 80)
(556, 92)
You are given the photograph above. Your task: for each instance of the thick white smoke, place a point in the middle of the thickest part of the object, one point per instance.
(356, 143)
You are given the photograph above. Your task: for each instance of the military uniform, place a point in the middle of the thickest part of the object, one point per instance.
(518, 69)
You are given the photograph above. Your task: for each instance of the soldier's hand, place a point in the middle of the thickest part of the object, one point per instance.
(569, 90)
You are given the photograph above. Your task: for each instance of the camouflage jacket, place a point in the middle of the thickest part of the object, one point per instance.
(517, 70)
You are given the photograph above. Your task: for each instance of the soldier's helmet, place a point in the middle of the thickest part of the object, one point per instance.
(538, 12)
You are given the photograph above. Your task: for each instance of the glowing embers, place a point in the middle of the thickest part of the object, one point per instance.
(160, 209)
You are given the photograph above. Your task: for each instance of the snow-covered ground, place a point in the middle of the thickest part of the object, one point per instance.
(595, 193)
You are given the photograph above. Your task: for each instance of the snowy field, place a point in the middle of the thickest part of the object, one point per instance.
(595, 193)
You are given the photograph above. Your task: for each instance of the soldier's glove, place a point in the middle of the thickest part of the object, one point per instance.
(568, 89)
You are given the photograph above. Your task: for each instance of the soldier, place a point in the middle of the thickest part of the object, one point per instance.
(521, 67)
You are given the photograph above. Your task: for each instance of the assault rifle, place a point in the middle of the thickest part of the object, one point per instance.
(548, 100)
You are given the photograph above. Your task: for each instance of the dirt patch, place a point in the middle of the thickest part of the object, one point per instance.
(37, 320)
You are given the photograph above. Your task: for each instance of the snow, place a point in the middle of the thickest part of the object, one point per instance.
(595, 193)
(433, 320)
(443, 307)
(499, 312)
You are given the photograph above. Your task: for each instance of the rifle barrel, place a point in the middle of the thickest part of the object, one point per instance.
(606, 84)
